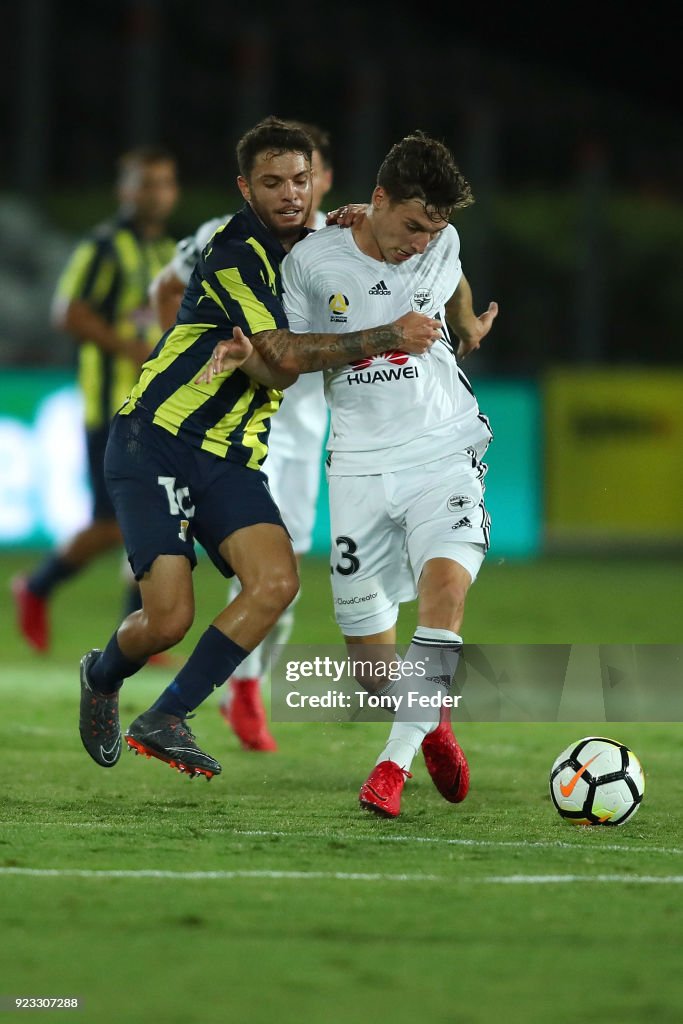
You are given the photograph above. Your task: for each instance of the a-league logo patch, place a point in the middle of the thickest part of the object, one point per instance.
(338, 305)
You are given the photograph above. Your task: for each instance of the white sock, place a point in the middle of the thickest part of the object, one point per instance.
(440, 649)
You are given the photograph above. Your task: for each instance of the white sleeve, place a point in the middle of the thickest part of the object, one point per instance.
(188, 250)
(295, 295)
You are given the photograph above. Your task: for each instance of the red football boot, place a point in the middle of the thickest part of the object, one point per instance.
(446, 762)
(381, 791)
(32, 616)
(246, 715)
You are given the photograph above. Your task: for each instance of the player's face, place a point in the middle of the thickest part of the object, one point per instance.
(402, 230)
(150, 191)
(280, 191)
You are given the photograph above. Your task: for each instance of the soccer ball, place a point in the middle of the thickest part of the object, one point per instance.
(597, 781)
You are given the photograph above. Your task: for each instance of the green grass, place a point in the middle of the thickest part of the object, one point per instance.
(432, 937)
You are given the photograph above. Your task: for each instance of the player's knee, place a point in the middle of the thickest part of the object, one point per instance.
(168, 629)
(276, 592)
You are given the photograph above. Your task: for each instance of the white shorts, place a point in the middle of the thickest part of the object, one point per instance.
(294, 484)
(385, 527)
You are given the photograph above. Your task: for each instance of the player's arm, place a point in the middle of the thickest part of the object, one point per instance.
(305, 353)
(166, 294)
(256, 367)
(461, 318)
(282, 350)
(79, 319)
(74, 307)
(239, 352)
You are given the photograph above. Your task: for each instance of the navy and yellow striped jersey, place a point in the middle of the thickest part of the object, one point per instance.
(112, 270)
(236, 282)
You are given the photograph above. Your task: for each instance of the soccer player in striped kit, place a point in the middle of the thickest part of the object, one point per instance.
(102, 301)
(295, 447)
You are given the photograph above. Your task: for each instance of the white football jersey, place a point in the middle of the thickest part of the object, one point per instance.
(300, 426)
(394, 410)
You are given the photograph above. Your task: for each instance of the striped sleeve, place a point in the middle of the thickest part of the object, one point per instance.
(243, 285)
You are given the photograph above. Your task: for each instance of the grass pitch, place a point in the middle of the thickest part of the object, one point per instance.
(267, 896)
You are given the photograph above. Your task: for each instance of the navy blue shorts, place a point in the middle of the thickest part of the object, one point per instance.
(96, 443)
(166, 493)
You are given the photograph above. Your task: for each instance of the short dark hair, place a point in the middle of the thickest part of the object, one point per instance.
(321, 141)
(275, 135)
(419, 167)
(142, 156)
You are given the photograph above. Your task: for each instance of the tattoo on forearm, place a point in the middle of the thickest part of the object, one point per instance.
(307, 352)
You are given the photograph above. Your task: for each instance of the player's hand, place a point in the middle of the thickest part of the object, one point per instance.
(346, 216)
(227, 355)
(419, 332)
(480, 327)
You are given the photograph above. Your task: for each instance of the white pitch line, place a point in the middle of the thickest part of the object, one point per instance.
(340, 876)
(522, 844)
(559, 879)
(343, 876)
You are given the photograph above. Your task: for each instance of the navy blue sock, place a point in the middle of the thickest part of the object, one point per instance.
(49, 574)
(213, 660)
(132, 601)
(112, 667)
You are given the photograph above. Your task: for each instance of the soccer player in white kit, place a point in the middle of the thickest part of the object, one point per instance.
(406, 442)
(295, 446)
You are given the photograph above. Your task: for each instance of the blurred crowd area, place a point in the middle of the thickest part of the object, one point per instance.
(577, 229)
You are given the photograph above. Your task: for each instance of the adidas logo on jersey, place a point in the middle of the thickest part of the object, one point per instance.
(465, 522)
(379, 289)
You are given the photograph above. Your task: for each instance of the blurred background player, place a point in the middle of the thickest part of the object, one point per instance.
(102, 301)
(297, 436)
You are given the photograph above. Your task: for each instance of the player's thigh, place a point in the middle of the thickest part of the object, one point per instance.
(167, 591)
(231, 499)
(369, 570)
(295, 484)
(446, 515)
(150, 483)
(261, 554)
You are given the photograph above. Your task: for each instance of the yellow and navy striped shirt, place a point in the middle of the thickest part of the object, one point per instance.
(112, 270)
(236, 282)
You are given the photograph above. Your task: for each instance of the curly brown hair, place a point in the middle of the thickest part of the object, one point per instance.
(419, 167)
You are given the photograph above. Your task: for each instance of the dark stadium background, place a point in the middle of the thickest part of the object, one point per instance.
(571, 118)
(567, 122)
